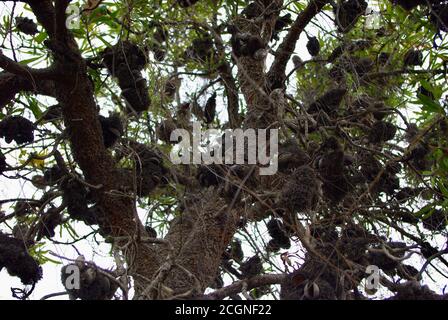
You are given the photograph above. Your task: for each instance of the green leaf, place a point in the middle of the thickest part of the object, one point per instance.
(28, 61)
(40, 37)
(33, 105)
(430, 105)
(425, 210)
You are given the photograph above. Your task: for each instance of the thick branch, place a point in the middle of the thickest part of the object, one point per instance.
(237, 287)
(286, 48)
(199, 237)
(44, 12)
(231, 91)
(11, 66)
(11, 84)
(60, 19)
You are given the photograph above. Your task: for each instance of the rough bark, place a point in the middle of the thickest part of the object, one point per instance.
(286, 48)
(196, 241)
(198, 247)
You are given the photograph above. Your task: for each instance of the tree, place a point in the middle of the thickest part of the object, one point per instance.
(362, 161)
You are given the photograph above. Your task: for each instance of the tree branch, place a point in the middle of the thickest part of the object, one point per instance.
(60, 19)
(11, 84)
(236, 287)
(45, 14)
(286, 48)
(231, 91)
(11, 66)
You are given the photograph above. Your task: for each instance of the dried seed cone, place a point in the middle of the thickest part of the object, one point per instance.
(301, 191)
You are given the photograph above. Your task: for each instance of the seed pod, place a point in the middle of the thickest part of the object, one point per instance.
(201, 49)
(279, 237)
(331, 165)
(22, 208)
(48, 223)
(124, 53)
(171, 87)
(298, 63)
(149, 167)
(127, 78)
(313, 46)
(235, 251)
(291, 156)
(210, 109)
(112, 129)
(93, 284)
(209, 175)
(297, 286)
(26, 26)
(152, 233)
(413, 58)
(427, 250)
(382, 131)
(280, 24)
(283, 22)
(348, 13)
(329, 102)
(17, 128)
(411, 132)
(164, 130)
(253, 10)
(18, 262)
(39, 181)
(379, 110)
(301, 191)
(137, 98)
(363, 66)
(159, 53)
(418, 157)
(53, 175)
(246, 45)
(251, 267)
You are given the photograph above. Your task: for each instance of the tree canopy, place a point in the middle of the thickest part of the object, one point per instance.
(90, 92)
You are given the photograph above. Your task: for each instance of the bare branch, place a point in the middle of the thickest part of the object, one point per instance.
(236, 287)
